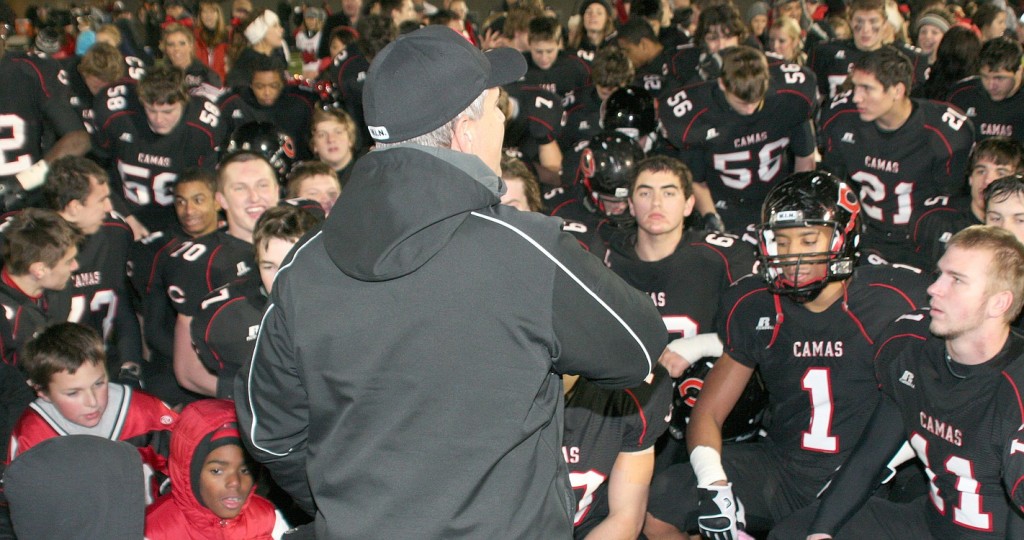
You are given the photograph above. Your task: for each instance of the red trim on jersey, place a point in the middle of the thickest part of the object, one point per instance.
(797, 93)
(153, 267)
(778, 319)
(6, 276)
(545, 124)
(917, 225)
(945, 141)
(643, 417)
(686, 132)
(728, 270)
(209, 134)
(209, 267)
(878, 351)
(113, 116)
(728, 319)
(42, 80)
(1016, 391)
(837, 115)
(910, 302)
(559, 207)
(206, 334)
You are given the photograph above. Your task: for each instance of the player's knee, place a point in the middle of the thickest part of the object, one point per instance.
(656, 529)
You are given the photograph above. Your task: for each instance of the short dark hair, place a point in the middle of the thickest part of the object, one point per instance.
(745, 73)
(985, 14)
(1001, 53)
(889, 66)
(1004, 188)
(635, 31)
(725, 16)
(611, 68)
(545, 29)
(374, 33)
(36, 235)
(197, 176)
(163, 84)
(866, 5)
(263, 63)
(305, 170)
(69, 180)
(665, 164)
(241, 156)
(284, 221)
(1000, 150)
(61, 347)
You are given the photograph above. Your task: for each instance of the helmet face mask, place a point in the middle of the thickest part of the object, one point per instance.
(809, 201)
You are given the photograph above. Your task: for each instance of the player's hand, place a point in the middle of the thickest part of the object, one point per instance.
(674, 363)
(492, 39)
(130, 375)
(721, 513)
(138, 229)
(713, 222)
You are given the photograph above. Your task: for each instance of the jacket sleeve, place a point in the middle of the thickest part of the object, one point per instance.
(605, 330)
(272, 409)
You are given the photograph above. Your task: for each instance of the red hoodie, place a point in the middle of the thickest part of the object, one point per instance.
(180, 515)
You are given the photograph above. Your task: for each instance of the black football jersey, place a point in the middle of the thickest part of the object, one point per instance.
(537, 121)
(149, 264)
(225, 328)
(580, 217)
(97, 295)
(200, 265)
(831, 61)
(897, 171)
(582, 109)
(740, 157)
(567, 73)
(146, 165)
(958, 419)
(292, 113)
(26, 316)
(940, 218)
(346, 73)
(33, 101)
(991, 118)
(599, 424)
(817, 367)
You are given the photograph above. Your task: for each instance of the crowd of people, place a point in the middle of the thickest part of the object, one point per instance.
(655, 269)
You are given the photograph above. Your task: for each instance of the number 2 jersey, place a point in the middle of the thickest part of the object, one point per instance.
(146, 165)
(817, 367)
(959, 420)
(740, 157)
(599, 424)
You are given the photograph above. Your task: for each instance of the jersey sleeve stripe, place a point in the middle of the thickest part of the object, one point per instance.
(1016, 393)
(728, 319)
(572, 276)
(885, 343)
(945, 142)
(898, 291)
(643, 417)
(725, 260)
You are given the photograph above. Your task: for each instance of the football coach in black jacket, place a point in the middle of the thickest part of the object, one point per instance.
(405, 382)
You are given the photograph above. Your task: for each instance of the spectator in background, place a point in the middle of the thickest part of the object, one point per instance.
(211, 38)
(595, 24)
(757, 20)
(785, 40)
(956, 59)
(176, 13)
(178, 46)
(991, 20)
(263, 36)
(929, 29)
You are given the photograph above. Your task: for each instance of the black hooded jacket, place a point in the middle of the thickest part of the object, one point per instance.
(408, 364)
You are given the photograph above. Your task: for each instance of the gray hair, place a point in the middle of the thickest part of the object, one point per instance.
(442, 136)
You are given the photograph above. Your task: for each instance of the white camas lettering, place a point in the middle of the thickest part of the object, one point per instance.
(947, 432)
(821, 349)
(747, 140)
(159, 161)
(1003, 130)
(883, 165)
(658, 298)
(571, 454)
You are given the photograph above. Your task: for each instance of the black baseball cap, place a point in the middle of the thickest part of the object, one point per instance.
(423, 79)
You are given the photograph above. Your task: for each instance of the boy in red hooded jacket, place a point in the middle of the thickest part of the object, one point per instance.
(211, 482)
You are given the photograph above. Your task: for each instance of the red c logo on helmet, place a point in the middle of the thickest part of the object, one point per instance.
(848, 200)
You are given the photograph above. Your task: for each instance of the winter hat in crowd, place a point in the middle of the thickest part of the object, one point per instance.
(931, 19)
(755, 9)
(607, 6)
(259, 27)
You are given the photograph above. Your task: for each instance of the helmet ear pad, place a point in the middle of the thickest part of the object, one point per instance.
(265, 139)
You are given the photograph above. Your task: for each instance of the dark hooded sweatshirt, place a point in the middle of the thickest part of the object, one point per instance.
(408, 363)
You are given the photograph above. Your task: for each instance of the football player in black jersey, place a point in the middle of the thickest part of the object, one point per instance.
(993, 100)
(548, 66)
(1004, 204)
(685, 272)
(153, 131)
(269, 99)
(736, 134)
(831, 60)
(100, 66)
(650, 58)
(900, 152)
(951, 380)
(246, 187)
(533, 123)
(610, 70)
(97, 296)
(942, 217)
(809, 323)
(30, 103)
(719, 27)
(224, 329)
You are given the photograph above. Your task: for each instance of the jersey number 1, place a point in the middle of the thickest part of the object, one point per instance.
(816, 382)
(967, 512)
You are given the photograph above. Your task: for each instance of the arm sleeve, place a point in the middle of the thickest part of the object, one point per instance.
(276, 426)
(863, 470)
(604, 329)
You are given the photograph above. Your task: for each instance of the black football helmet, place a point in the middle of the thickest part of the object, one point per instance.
(605, 165)
(806, 199)
(630, 110)
(746, 417)
(264, 138)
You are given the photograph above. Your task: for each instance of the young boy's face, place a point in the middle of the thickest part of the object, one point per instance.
(225, 482)
(544, 53)
(81, 398)
(1007, 214)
